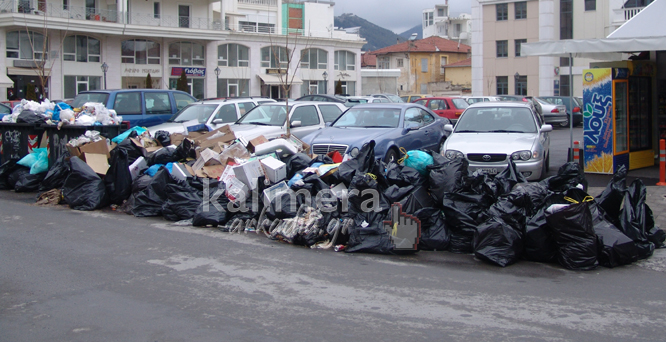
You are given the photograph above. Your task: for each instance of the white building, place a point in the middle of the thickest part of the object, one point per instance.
(500, 27)
(437, 22)
(248, 42)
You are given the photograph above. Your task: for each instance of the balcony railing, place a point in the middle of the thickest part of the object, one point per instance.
(149, 19)
(622, 15)
(272, 3)
(631, 12)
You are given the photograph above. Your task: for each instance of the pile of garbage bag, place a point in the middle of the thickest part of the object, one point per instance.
(353, 204)
(47, 112)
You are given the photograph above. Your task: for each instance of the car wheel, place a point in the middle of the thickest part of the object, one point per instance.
(441, 145)
(545, 167)
(565, 123)
(391, 156)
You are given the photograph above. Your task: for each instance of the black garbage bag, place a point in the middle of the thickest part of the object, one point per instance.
(395, 193)
(368, 234)
(29, 183)
(497, 242)
(402, 176)
(17, 173)
(463, 213)
(365, 195)
(615, 248)
(574, 234)
(84, 189)
(6, 169)
(131, 149)
(296, 162)
(141, 183)
(537, 194)
(30, 117)
(508, 178)
(481, 183)
(362, 163)
(448, 177)
(283, 206)
(513, 208)
(186, 150)
(163, 137)
(118, 180)
(568, 176)
(434, 233)
(55, 178)
(213, 210)
(182, 201)
(416, 199)
(539, 242)
(149, 201)
(162, 156)
(634, 219)
(322, 158)
(610, 200)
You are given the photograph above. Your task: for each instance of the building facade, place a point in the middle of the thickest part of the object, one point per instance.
(437, 22)
(500, 27)
(225, 48)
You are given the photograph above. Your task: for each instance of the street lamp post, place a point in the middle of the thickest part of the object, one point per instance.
(325, 74)
(105, 68)
(217, 83)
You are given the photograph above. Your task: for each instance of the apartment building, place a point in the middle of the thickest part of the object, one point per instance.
(437, 22)
(500, 27)
(226, 48)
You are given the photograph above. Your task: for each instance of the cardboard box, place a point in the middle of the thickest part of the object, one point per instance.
(249, 172)
(207, 157)
(256, 141)
(98, 162)
(271, 193)
(224, 130)
(224, 139)
(177, 138)
(303, 147)
(214, 171)
(99, 147)
(136, 167)
(236, 189)
(274, 169)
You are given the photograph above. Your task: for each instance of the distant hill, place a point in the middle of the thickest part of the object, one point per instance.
(416, 29)
(376, 36)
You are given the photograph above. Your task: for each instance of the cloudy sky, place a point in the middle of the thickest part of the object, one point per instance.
(396, 15)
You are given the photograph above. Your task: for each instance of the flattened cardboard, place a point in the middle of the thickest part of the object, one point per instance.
(255, 142)
(213, 171)
(177, 138)
(98, 162)
(199, 138)
(227, 138)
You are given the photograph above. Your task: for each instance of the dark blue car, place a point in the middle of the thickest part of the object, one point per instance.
(139, 107)
(391, 125)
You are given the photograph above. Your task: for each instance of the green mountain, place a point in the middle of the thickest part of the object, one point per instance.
(376, 36)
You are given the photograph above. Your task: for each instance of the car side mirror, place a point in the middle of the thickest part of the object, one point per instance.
(218, 121)
(296, 123)
(546, 128)
(448, 127)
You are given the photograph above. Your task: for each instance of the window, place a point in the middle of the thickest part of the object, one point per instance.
(156, 10)
(521, 85)
(226, 113)
(502, 12)
(566, 19)
(590, 5)
(436, 105)
(348, 87)
(400, 62)
(19, 45)
(502, 85)
(186, 53)
(245, 107)
(502, 48)
(424, 88)
(564, 61)
(157, 103)
(314, 59)
(128, 103)
(81, 49)
(564, 85)
(518, 43)
(233, 55)
(440, 12)
(345, 60)
(274, 57)
(330, 112)
(233, 87)
(427, 19)
(195, 86)
(383, 63)
(140, 51)
(65, 5)
(76, 84)
(307, 115)
(418, 116)
(424, 65)
(314, 87)
(521, 9)
(442, 62)
(182, 100)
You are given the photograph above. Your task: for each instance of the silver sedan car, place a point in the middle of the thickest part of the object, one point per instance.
(488, 134)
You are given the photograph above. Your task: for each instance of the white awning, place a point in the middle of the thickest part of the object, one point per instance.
(647, 23)
(5, 81)
(278, 80)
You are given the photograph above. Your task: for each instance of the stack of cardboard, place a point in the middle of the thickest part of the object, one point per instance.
(95, 154)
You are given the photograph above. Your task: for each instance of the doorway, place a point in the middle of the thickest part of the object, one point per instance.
(183, 16)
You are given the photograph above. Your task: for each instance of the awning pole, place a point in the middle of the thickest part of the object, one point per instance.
(572, 105)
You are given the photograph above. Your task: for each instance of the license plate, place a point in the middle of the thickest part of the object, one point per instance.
(490, 171)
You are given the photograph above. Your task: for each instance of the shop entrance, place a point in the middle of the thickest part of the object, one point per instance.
(26, 87)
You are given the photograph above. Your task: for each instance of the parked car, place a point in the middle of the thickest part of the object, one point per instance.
(391, 97)
(269, 119)
(348, 101)
(574, 107)
(390, 125)
(139, 107)
(475, 99)
(414, 97)
(369, 99)
(551, 113)
(4, 110)
(446, 107)
(213, 113)
(488, 134)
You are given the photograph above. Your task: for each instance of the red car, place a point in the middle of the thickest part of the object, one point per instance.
(447, 107)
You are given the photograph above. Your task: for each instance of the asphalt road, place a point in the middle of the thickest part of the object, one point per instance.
(105, 276)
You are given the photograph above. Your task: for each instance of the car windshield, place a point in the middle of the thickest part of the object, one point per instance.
(460, 103)
(82, 98)
(266, 115)
(496, 120)
(369, 118)
(199, 112)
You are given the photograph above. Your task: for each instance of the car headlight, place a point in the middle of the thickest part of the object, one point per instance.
(521, 155)
(354, 152)
(453, 154)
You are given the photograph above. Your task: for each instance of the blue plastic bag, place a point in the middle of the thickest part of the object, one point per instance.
(418, 160)
(152, 170)
(124, 135)
(37, 161)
